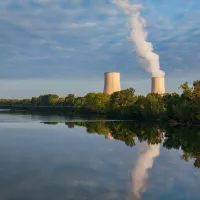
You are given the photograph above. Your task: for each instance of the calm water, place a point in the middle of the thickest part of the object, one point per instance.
(58, 158)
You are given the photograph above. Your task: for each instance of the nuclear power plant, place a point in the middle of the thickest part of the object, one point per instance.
(111, 82)
(158, 85)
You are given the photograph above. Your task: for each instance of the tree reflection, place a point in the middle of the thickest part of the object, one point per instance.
(51, 123)
(123, 132)
(150, 134)
(186, 139)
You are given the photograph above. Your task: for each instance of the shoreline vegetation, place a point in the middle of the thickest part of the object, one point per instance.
(175, 108)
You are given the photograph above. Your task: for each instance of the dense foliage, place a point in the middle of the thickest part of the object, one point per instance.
(184, 107)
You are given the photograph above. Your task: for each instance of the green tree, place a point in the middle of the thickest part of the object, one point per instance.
(70, 99)
(196, 89)
(48, 99)
(34, 101)
(79, 104)
(171, 101)
(152, 107)
(61, 101)
(121, 103)
(97, 102)
(186, 91)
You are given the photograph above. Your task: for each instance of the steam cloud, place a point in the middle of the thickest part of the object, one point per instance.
(140, 173)
(143, 48)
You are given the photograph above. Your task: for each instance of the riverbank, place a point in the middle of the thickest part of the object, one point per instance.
(183, 108)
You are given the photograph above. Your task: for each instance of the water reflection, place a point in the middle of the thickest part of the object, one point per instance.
(53, 160)
(186, 139)
(144, 162)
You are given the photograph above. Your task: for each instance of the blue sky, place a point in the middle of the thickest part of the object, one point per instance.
(65, 46)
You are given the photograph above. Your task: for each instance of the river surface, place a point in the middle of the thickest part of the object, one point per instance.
(72, 158)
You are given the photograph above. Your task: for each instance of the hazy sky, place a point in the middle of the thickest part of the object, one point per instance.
(65, 46)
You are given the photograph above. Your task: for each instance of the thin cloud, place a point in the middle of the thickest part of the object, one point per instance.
(83, 39)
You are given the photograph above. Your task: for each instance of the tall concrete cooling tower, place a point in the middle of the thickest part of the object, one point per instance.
(111, 82)
(158, 85)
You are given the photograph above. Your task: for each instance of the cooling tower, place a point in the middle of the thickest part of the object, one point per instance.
(111, 82)
(158, 85)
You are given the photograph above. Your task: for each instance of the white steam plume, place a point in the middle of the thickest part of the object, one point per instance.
(143, 48)
(140, 173)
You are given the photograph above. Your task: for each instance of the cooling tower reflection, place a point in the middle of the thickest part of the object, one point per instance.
(140, 172)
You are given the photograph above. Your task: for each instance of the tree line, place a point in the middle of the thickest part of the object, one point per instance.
(183, 108)
(169, 137)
